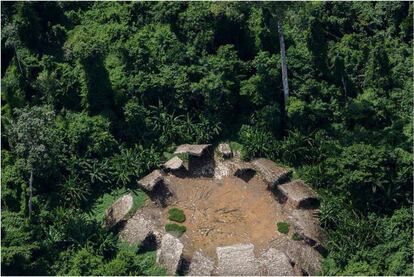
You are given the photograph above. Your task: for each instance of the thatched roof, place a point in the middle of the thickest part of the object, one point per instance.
(298, 194)
(151, 180)
(200, 265)
(137, 229)
(306, 224)
(224, 150)
(272, 173)
(192, 149)
(118, 211)
(274, 262)
(300, 253)
(237, 259)
(174, 163)
(170, 253)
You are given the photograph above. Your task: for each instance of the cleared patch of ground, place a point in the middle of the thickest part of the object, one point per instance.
(223, 212)
(229, 205)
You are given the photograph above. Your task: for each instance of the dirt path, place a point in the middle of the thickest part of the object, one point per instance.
(224, 212)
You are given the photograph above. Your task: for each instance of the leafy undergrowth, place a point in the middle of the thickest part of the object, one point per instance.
(237, 147)
(144, 261)
(283, 227)
(177, 215)
(150, 267)
(175, 229)
(106, 200)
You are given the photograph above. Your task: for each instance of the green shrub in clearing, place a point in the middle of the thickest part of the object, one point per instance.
(237, 147)
(175, 228)
(296, 236)
(283, 227)
(177, 215)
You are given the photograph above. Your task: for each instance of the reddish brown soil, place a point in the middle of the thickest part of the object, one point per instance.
(224, 212)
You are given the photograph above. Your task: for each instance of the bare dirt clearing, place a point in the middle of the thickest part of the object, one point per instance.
(231, 210)
(224, 212)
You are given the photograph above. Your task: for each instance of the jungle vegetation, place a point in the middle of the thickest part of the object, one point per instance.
(97, 94)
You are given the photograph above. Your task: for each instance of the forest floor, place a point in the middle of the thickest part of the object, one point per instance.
(223, 212)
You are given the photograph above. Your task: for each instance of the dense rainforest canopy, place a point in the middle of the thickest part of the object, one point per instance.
(96, 94)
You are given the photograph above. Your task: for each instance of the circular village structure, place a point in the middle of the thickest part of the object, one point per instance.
(241, 218)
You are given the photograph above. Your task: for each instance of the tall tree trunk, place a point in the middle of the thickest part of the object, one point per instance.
(345, 89)
(284, 65)
(284, 74)
(18, 60)
(30, 192)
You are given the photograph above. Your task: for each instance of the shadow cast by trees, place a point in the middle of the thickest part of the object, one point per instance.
(100, 96)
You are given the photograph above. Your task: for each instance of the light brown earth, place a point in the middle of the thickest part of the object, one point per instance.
(224, 212)
(228, 202)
